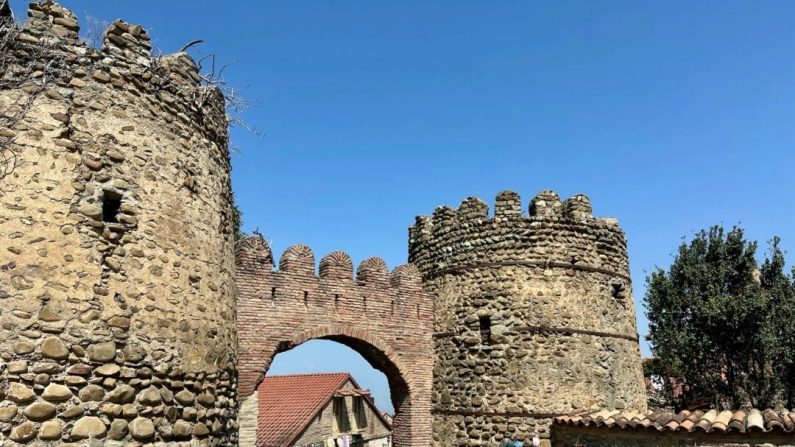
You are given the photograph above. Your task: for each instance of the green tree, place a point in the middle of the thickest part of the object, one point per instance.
(715, 321)
(782, 294)
(237, 219)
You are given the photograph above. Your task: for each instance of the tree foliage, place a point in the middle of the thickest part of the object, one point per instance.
(237, 219)
(722, 325)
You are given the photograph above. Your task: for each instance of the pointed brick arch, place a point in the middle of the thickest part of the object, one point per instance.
(384, 317)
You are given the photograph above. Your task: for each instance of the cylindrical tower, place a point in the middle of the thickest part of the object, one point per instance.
(116, 261)
(533, 316)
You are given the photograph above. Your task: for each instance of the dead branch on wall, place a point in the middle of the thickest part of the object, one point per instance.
(27, 71)
(93, 32)
(236, 103)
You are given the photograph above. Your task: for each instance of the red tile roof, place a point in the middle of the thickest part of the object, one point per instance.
(711, 421)
(287, 404)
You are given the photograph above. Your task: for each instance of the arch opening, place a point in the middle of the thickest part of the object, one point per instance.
(375, 354)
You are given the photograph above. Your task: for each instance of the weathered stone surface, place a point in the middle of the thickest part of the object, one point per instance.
(118, 429)
(88, 427)
(122, 394)
(200, 429)
(23, 347)
(141, 428)
(39, 411)
(80, 369)
(54, 348)
(72, 412)
(206, 399)
(18, 367)
(92, 393)
(50, 430)
(185, 397)
(23, 432)
(182, 429)
(91, 210)
(56, 393)
(7, 413)
(75, 381)
(108, 369)
(102, 352)
(150, 396)
(129, 411)
(20, 393)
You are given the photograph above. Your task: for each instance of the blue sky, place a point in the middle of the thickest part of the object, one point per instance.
(671, 116)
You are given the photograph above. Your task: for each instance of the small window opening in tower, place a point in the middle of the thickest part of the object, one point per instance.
(485, 330)
(111, 203)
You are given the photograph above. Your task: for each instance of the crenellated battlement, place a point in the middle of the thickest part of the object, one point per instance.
(551, 231)
(46, 49)
(546, 205)
(373, 291)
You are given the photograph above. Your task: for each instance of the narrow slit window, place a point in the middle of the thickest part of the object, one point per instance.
(485, 330)
(111, 203)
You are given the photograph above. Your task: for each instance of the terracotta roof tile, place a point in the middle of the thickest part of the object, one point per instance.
(786, 419)
(755, 421)
(712, 421)
(737, 421)
(288, 403)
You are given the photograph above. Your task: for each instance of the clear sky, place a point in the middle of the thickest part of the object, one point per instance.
(671, 116)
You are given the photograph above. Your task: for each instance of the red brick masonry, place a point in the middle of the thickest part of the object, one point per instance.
(384, 316)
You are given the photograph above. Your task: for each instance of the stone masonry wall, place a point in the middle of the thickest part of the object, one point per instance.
(384, 316)
(534, 316)
(117, 323)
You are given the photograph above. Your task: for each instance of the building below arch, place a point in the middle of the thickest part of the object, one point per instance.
(318, 410)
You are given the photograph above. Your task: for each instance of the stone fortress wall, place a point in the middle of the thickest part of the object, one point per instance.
(117, 314)
(534, 316)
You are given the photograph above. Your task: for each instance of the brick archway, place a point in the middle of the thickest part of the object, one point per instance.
(383, 316)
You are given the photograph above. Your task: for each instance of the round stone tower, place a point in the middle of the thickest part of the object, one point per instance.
(533, 316)
(116, 241)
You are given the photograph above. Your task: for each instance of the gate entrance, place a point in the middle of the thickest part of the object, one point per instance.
(383, 316)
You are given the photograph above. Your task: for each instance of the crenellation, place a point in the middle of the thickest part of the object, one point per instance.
(52, 23)
(507, 205)
(578, 208)
(445, 241)
(336, 265)
(298, 260)
(372, 271)
(546, 204)
(471, 209)
(128, 41)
